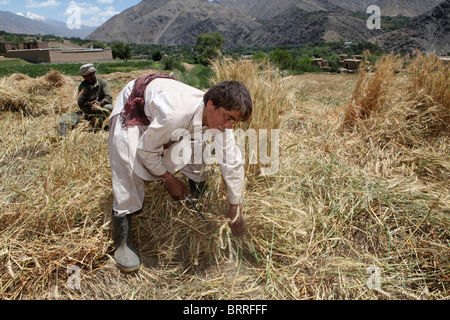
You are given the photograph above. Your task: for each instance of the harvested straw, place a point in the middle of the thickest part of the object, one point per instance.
(408, 113)
(417, 103)
(11, 100)
(428, 95)
(44, 95)
(50, 215)
(372, 90)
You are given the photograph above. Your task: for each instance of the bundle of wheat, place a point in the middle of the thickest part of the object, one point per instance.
(268, 92)
(52, 93)
(414, 104)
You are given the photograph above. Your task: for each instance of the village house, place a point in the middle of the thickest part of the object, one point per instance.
(445, 60)
(350, 64)
(39, 52)
(321, 63)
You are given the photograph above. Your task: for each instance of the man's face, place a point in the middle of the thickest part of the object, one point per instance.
(220, 118)
(90, 78)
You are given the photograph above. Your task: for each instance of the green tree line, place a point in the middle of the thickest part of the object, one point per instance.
(295, 59)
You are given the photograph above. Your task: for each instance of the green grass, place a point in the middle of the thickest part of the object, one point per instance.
(8, 67)
(198, 77)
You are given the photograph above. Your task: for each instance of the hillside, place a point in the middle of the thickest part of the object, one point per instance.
(248, 23)
(174, 22)
(267, 9)
(428, 32)
(264, 9)
(410, 8)
(244, 23)
(253, 23)
(296, 25)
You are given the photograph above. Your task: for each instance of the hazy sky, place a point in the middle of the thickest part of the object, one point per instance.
(92, 13)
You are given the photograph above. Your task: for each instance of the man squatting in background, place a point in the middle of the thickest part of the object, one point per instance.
(94, 100)
(94, 96)
(146, 116)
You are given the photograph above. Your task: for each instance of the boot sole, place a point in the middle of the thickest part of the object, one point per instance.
(127, 270)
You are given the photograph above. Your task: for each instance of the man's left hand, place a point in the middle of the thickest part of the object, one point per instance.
(96, 106)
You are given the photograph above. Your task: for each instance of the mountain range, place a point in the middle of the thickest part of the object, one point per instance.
(242, 23)
(33, 24)
(258, 23)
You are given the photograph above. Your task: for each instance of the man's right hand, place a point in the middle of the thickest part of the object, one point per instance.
(176, 188)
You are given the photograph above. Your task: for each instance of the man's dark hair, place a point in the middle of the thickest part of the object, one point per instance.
(231, 95)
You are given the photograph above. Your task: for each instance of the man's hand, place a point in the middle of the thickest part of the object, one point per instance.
(96, 106)
(88, 105)
(176, 188)
(237, 220)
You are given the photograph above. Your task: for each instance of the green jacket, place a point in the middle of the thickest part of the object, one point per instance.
(101, 92)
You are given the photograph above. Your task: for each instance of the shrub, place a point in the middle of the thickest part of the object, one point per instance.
(172, 63)
(282, 59)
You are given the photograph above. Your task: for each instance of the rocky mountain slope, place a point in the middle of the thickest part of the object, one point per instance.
(295, 25)
(248, 22)
(270, 8)
(410, 8)
(174, 22)
(267, 9)
(245, 23)
(428, 32)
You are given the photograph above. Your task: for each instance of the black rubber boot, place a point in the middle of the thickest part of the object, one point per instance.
(197, 188)
(125, 256)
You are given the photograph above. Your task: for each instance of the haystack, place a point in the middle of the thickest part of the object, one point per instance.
(51, 93)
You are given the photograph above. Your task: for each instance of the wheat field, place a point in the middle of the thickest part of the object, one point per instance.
(358, 210)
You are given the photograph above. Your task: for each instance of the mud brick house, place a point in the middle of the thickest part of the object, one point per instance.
(24, 46)
(445, 60)
(39, 52)
(321, 63)
(351, 64)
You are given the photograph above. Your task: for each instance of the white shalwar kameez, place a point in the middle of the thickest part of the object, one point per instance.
(141, 153)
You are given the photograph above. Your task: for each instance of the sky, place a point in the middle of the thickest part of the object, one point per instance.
(90, 13)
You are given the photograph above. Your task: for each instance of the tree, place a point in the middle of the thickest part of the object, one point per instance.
(121, 51)
(157, 56)
(209, 45)
(282, 58)
(98, 45)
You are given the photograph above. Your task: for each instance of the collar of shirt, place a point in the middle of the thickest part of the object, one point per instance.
(196, 126)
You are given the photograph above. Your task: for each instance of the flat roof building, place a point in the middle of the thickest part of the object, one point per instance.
(38, 52)
(351, 64)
